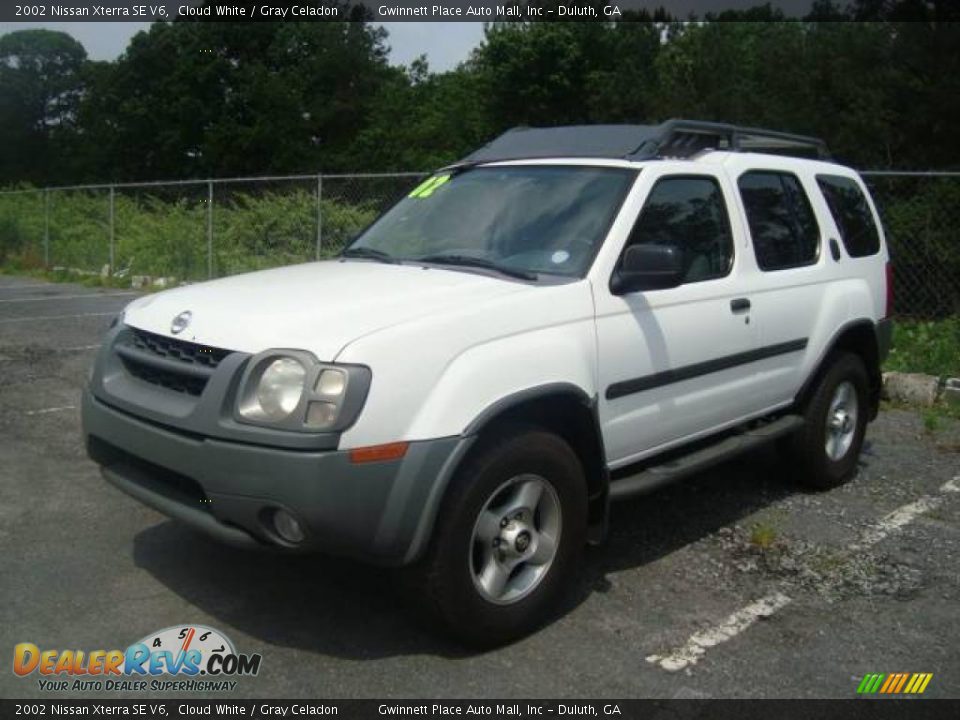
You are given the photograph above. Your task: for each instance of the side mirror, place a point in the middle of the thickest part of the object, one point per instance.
(648, 267)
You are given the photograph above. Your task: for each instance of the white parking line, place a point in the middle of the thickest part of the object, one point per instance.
(904, 515)
(56, 317)
(696, 647)
(69, 297)
(46, 411)
(80, 348)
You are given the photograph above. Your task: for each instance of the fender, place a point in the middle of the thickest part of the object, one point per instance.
(598, 476)
(525, 396)
(595, 465)
(829, 348)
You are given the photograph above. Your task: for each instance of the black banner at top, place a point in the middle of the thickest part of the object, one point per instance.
(373, 10)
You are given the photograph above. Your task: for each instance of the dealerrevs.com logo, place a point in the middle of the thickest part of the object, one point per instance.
(180, 658)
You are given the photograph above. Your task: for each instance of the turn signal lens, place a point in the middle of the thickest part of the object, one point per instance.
(332, 383)
(377, 453)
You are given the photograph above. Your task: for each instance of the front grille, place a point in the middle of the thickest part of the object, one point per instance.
(186, 352)
(164, 378)
(176, 365)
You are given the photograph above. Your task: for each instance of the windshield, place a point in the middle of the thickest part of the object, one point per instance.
(520, 219)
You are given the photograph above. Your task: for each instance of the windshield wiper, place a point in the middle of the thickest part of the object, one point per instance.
(479, 262)
(369, 253)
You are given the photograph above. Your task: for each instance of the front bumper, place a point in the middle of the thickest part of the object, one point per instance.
(380, 512)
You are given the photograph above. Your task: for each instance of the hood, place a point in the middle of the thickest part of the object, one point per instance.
(320, 307)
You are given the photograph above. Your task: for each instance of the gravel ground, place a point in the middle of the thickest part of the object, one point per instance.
(865, 578)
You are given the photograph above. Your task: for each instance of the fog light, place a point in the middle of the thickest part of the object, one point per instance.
(287, 527)
(321, 414)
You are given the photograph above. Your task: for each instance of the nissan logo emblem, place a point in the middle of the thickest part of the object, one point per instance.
(180, 322)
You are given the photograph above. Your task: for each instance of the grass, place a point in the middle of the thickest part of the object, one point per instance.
(167, 236)
(763, 535)
(64, 275)
(932, 420)
(931, 347)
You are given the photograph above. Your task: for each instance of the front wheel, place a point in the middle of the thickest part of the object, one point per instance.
(825, 452)
(508, 539)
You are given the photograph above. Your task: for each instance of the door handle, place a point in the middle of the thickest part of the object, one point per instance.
(835, 249)
(739, 305)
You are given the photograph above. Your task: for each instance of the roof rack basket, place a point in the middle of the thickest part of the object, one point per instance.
(682, 138)
(673, 138)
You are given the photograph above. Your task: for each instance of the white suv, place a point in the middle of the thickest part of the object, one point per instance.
(567, 317)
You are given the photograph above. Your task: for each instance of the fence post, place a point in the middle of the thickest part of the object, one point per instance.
(113, 238)
(209, 229)
(46, 228)
(319, 215)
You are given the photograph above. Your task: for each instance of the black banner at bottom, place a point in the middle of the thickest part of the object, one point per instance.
(860, 708)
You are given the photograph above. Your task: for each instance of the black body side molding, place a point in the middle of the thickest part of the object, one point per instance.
(688, 372)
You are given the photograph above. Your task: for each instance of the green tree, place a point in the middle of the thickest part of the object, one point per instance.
(559, 73)
(40, 87)
(422, 120)
(197, 99)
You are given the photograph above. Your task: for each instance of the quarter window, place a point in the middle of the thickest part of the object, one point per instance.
(689, 213)
(852, 215)
(782, 224)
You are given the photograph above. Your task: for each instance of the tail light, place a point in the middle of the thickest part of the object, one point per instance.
(888, 310)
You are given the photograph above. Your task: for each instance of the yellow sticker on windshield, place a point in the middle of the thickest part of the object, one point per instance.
(426, 188)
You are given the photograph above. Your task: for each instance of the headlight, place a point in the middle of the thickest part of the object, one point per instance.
(279, 390)
(290, 389)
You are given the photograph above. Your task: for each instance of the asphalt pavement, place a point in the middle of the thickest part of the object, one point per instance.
(735, 583)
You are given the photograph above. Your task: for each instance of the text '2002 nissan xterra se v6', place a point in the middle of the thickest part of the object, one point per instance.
(567, 317)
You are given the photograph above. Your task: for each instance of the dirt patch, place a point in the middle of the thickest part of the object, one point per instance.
(829, 572)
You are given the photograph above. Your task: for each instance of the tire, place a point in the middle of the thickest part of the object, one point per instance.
(825, 452)
(469, 585)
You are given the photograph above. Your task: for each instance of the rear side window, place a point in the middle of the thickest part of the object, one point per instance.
(852, 214)
(689, 213)
(782, 224)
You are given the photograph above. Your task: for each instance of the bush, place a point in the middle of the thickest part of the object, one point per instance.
(927, 347)
(167, 236)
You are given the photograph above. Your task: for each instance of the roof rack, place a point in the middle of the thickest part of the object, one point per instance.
(673, 138)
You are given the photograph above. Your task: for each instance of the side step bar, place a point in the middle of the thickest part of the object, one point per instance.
(656, 476)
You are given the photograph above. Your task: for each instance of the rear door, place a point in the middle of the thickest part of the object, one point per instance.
(791, 273)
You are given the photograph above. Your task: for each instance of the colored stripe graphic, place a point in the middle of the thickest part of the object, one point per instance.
(426, 188)
(894, 683)
(901, 682)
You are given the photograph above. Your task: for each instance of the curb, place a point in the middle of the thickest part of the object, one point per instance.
(920, 389)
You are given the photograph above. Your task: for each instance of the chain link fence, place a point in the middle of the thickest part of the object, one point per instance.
(194, 230)
(190, 230)
(921, 217)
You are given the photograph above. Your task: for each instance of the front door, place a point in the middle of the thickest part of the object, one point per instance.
(675, 363)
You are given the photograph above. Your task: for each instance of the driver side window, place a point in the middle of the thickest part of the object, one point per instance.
(689, 213)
